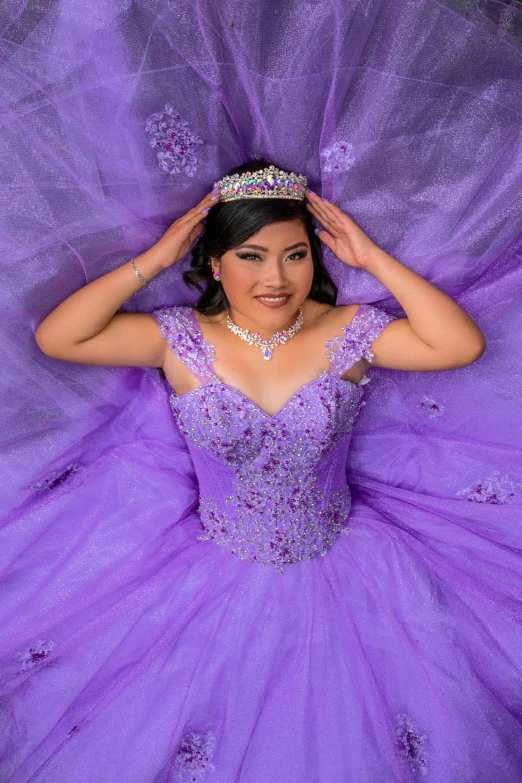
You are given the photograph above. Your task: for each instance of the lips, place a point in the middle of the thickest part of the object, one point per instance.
(274, 301)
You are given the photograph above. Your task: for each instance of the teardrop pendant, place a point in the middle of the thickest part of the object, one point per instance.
(267, 346)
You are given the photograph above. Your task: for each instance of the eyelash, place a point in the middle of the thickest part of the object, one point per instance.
(248, 256)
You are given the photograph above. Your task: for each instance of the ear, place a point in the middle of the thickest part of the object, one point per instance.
(215, 264)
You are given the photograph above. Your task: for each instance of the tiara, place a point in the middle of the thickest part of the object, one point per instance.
(269, 182)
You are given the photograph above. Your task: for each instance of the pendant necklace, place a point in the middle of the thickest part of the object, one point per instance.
(268, 345)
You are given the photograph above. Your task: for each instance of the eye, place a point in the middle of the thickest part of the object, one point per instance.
(296, 256)
(247, 255)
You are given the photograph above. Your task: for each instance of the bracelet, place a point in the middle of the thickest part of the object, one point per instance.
(138, 274)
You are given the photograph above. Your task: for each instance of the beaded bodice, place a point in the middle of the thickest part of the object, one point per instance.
(272, 488)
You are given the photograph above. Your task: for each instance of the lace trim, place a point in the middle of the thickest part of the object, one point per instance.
(179, 329)
(357, 338)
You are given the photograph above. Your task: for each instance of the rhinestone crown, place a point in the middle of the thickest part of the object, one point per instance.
(269, 182)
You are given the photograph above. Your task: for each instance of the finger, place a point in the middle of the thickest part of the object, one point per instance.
(323, 203)
(209, 200)
(213, 195)
(196, 232)
(318, 209)
(193, 216)
(326, 237)
(327, 221)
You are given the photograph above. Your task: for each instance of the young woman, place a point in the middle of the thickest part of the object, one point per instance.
(292, 641)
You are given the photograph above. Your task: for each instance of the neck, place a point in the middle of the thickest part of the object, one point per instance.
(264, 330)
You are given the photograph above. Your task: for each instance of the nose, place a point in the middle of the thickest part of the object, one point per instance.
(274, 276)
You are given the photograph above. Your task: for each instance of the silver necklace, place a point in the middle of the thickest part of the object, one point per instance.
(268, 345)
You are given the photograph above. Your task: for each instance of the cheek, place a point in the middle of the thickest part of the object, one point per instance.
(242, 277)
(302, 275)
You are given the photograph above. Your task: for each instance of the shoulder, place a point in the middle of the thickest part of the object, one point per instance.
(367, 319)
(173, 319)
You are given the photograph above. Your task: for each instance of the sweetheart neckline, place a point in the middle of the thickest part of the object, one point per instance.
(209, 349)
(216, 381)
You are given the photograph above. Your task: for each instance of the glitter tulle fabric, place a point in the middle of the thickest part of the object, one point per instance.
(136, 646)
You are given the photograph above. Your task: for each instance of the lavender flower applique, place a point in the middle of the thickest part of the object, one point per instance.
(34, 655)
(193, 758)
(337, 157)
(410, 742)
(174, 143)
(493, 489)
(432, 407)
(56, 478)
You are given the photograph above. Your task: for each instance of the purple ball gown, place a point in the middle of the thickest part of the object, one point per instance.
(148, 635)
(272, 632)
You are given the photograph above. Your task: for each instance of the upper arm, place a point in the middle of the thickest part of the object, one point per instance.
(398, 348)
(128, 340)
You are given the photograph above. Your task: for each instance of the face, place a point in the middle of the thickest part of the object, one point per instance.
(268, 277)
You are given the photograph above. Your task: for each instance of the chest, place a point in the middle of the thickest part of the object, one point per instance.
(221, 420)
(269, 384)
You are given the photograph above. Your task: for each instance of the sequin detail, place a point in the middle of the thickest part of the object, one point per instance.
(177, 326)
(175, 145)
(253, 529)
(273, 488)
(193, 758)
(276, 510)
(337, 157)
(495, 489)
(433, 407)
(35, 654)
(358, 336)
(410, 742)
(56, 478)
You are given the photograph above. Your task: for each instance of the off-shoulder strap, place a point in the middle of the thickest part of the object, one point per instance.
(357, 339)
(181, 330)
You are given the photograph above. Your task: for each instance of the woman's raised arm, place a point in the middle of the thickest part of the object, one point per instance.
(86, 327)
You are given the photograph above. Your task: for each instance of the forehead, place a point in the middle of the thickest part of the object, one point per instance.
(280, 234)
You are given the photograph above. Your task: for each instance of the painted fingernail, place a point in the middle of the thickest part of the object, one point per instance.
(205, 210)
(317, 230)
(214, 197)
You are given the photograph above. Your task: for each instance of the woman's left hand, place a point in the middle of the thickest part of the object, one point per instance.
(340, 233)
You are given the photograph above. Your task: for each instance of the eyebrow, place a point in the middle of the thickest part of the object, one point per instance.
(259, 247)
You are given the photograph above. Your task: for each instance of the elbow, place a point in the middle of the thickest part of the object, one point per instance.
(42, 342)
(478, 350)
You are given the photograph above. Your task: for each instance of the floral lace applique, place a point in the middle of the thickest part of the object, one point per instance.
(433, 407)
(175, 145)
(34, 655)
(273, 488)
(274, 462)
(193, 758)
(56, 478)
(410, 742)
(253, 531)
(494, 489)
(355, 342)
(187, 342)
(338, 156)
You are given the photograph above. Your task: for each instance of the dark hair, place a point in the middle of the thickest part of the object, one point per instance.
(229, 224)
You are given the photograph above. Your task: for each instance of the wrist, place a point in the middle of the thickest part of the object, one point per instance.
(150, 264)
(162, 254)
(378, 262)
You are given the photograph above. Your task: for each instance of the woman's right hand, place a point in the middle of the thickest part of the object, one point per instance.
(177, 239)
